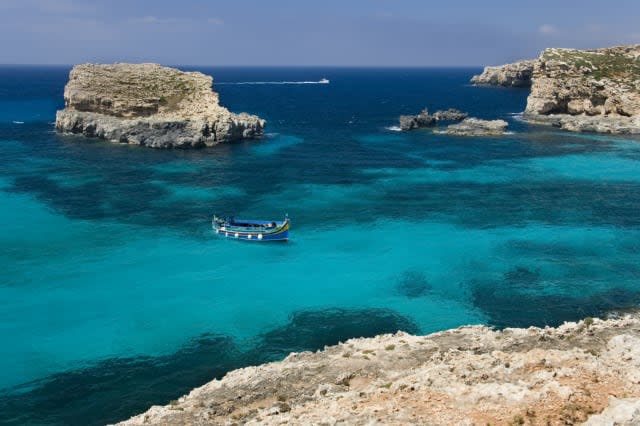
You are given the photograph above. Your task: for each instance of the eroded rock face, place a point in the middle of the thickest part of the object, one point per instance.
(469, 375)
(476, 127)
(587, 90)
(517, 74)
(150, 105)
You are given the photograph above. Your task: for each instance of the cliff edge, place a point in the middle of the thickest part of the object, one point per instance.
(585, 371)
(150, 105)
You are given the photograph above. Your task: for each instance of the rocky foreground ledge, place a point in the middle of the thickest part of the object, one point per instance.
(150, 105)
(586, 371)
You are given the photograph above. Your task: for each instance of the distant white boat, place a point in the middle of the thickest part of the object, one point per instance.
(324, 81)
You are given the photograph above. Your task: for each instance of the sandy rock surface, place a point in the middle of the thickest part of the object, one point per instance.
(151, 105)
(586, 371)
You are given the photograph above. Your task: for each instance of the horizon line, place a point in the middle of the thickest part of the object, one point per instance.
(245, 65)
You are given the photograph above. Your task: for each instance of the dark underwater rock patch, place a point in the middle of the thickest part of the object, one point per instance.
(117, 388)
(413, 284)
(522, 276)
(312, 330)
(508, 307)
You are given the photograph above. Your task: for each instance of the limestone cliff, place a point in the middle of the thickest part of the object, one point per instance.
(150, 105)
(587, 90)
(586, 371)
(517, 74)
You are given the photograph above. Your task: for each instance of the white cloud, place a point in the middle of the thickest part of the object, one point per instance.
(154, 20)
(146, 20)
(547, 29)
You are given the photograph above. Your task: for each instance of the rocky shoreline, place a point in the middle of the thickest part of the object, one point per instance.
(586, 371)
(587, 90)
(150, 105)
(595, 90)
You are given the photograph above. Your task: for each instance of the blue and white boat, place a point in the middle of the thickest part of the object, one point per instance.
(251, 230)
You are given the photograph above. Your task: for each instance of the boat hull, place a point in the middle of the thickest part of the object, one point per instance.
(257, 231)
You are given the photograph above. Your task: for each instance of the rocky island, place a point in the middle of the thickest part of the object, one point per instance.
(463, 126)
(424, 119)
(150, 105)
(595, 90)
(586, 371)
(476, 127)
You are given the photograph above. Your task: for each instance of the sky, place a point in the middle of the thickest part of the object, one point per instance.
(307, 33)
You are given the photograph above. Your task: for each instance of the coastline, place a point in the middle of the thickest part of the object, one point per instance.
(467, 375)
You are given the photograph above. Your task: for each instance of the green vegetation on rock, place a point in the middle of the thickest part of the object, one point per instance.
(612, 64)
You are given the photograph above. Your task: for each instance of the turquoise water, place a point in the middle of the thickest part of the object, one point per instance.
(116, 295)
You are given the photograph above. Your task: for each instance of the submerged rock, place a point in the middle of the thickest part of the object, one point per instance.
(477, 127)
(468, 375)
(587, 90)
(150, 105)
(412, 284)
(517, 74)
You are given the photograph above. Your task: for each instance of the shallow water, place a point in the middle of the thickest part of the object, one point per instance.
(115, 289)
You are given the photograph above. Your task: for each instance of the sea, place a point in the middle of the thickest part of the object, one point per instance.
(115, 294)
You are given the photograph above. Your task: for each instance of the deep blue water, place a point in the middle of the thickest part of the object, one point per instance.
(115, 294)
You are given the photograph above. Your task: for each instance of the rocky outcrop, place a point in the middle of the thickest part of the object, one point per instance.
(469, 375)
(517, 74)
(587, 90)
(150, 105)
(424, 119)
(450, 114)
(410, 122)
(476, 127)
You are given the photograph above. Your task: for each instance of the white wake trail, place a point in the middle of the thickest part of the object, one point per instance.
(273, 82)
